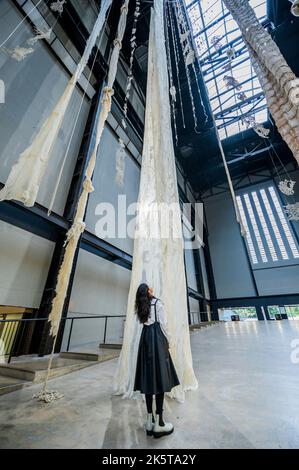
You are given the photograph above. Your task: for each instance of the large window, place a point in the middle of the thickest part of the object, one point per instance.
(222, 52)
(269, 235)
(292, 311)
(243, 313)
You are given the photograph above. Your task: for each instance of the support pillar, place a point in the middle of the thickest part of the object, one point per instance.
(259, 313)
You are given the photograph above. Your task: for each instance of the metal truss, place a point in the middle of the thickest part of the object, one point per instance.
(227, 107)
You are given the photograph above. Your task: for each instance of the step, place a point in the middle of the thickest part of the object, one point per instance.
(203, 324)
(92, 357)
(196, 326)
(110, 345)
(36, 370)
(10, 384)
(80, 355)
(8, 370)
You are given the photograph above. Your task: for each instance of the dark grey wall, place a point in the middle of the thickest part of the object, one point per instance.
(229, 260)
(232, 270)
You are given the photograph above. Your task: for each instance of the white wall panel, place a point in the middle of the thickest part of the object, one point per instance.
(107, 190)
(100, 288)
(24, 263)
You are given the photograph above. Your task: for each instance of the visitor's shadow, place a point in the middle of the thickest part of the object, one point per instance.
(125, 429)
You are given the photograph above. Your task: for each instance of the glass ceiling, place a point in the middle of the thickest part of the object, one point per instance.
(222, 52)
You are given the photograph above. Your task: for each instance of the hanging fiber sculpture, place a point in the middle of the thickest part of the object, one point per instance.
(177, 60)
(231, 82)
(18, 53)
(58, 6)
(279, 83)
(295, 7)
(172, 89)
(130, 74)
(230, 183)
(157, 260)
(287, 187)
(292, 211)
(26, 175)
(231, 53)
(216, 42)
(40, 34)
(120, 164)
(78, 225)
(190, 58)
(120, 153)
(261, 130)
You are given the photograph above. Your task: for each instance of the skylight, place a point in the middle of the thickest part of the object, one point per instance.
(222, 52)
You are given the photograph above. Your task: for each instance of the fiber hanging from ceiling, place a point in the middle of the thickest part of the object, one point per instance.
(26, 175)
(279, 83)
(78, 225)
(158, 260)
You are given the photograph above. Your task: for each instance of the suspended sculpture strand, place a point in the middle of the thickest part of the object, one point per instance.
(78, 226)
(158, 260)
(280, 85)
(27, 173)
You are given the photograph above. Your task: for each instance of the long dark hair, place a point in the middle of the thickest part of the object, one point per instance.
(143, 303)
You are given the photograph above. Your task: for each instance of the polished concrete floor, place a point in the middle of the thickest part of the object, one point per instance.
(248, 397)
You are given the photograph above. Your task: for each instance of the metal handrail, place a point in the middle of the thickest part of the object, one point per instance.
(88, 317)
(199, 316)
(11, 335)
(66, 318)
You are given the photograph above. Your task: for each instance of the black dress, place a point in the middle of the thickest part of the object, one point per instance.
(155, 372)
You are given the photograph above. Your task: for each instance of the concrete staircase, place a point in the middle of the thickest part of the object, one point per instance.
(22, 373)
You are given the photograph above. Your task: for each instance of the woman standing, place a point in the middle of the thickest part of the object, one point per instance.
(155, 372)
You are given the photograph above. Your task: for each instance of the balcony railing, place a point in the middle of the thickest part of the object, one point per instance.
(14, 331)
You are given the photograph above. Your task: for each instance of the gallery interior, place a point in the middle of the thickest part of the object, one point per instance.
(109, 103)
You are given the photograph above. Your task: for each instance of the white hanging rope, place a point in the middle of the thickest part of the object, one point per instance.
(177, 59)
(193, 53)
(78, 226)
(120, 155)
(158, 260)
(45, 395)
(171, 83)
(230, 183)
(130, 73)
(76, 120)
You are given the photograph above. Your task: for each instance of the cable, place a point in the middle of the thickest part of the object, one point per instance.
(21, 22)
(77, 117)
